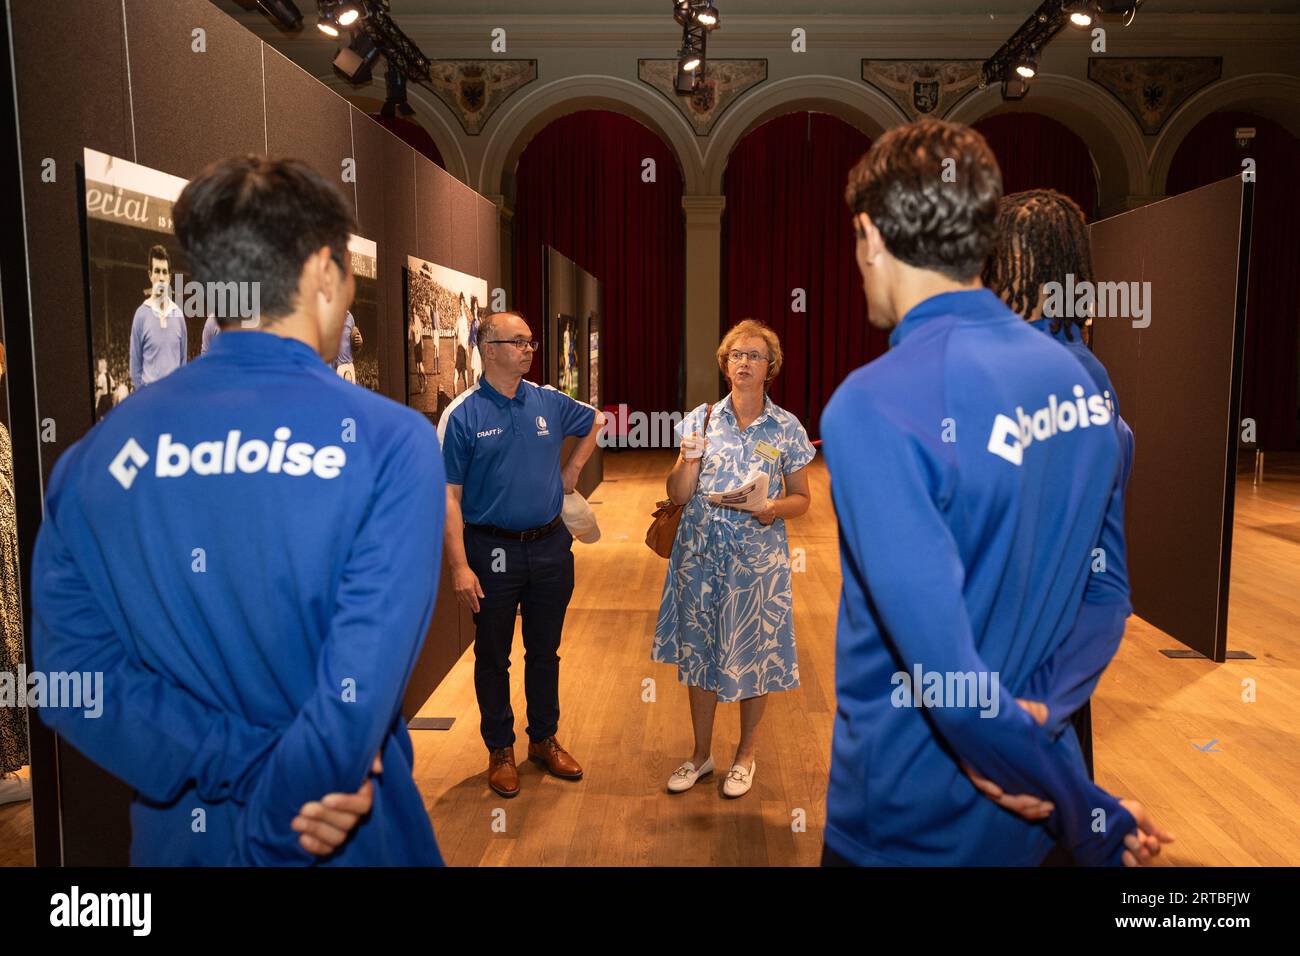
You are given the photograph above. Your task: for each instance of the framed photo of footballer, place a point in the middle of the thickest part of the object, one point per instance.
(444, 309)
(568, 347)
(139, 332)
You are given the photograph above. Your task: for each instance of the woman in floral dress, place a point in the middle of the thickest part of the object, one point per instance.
(725, 618)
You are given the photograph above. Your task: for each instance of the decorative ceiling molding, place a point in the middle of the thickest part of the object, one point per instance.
(1152, 88)
(922, 87)
(474, 89)
(724, 82)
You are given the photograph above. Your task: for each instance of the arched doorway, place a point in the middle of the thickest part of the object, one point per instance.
(581, 186)
(788, 253)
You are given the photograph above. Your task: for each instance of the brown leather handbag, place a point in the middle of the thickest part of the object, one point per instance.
(663, 529)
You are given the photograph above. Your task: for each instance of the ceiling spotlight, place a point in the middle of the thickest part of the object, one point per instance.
(688, 73)
(349, 14)
(707, 16)
(285, 12)
(1026, 66)
(357, 59)
(1079, 11)
(327, 27)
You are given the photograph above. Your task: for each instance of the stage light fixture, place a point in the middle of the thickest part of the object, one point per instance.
(1081, 12)
(688, 73)
(285, 12)
(327, 27)
(348, 14)
(707, 16)
(1026, 66)
(357, 59)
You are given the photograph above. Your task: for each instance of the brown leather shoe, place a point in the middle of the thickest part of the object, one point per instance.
(502, 776)
(554, 758)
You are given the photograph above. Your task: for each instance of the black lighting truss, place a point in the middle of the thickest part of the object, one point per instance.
(1027, 43)
(695, 41)
(397, 48)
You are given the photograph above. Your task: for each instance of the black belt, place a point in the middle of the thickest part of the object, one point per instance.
(532, 534)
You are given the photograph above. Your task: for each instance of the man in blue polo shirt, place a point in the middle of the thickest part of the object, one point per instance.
(506, 541)
(972, 467)
(158, 334)
(226, 550)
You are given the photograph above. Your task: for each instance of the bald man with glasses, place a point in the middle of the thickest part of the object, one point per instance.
(507, 544)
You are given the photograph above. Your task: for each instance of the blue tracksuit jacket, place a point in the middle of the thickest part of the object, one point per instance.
(975, 468)
(248, 550)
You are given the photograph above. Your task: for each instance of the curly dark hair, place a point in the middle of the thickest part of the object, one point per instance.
(1042, 238)
(932, 189)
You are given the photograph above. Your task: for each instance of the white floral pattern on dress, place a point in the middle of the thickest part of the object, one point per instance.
(725, 616)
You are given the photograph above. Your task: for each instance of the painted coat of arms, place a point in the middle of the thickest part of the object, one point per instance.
(922, 87)
(474, 89)
(1151, 88)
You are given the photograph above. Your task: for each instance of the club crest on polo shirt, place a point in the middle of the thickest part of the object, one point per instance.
(226, 456)
(1011, 436)
(542, 430)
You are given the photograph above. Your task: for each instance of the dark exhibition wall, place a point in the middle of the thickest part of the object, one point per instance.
(134, 84)
(571, 307)
(1178, 381)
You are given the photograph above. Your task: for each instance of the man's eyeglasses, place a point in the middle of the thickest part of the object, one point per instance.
(520, 344)
(735, 355)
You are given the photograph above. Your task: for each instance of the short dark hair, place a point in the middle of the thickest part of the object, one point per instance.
(945, 223)
(157, 252)
(254, 219)
(1042, 238)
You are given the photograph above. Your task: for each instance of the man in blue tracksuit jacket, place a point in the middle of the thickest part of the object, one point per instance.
(248, 551)
(972, 469)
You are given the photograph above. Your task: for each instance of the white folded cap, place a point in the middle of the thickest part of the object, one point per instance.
(580, 519)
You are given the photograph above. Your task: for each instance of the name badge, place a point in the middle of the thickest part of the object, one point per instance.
(766, 451)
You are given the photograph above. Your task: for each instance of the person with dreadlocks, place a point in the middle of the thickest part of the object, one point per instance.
(1042, 238)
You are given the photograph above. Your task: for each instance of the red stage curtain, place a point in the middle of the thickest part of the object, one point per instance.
(413, 134)
(1037, 152)
(579, 189)
(786, 227)
(1209, 154)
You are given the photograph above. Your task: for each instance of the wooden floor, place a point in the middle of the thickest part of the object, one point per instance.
(626, 718)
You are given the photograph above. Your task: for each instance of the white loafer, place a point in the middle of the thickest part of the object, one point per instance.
(739, 780)
(684, 777)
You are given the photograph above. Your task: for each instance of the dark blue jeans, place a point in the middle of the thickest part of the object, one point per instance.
(537, 576)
